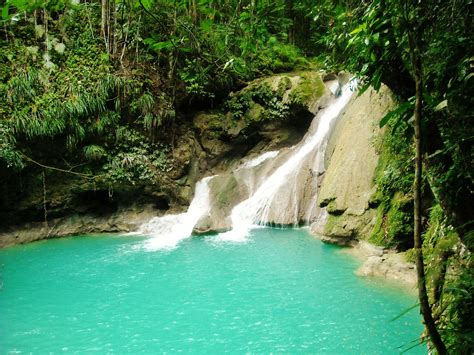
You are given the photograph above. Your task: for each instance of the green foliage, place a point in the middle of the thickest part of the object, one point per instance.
(394, 223)
(395, 171)
(258, 103)
(449, 268)
(94, 152)
(459, 331)
(9, 155)
(133, 160)
(277, 57)
(210, 46)
(399, 114)
(196, 79)
(109, 102)
(394, 179)
(307, 90)
(60, 88)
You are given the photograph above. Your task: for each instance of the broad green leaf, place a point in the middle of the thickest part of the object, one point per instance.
(244, 15)
(469, 76)
(363, 89)
(5, 11)
(158, 46)
(147, 4)
(377, 79)
(400, 111)
(443, 104)
(206, 25)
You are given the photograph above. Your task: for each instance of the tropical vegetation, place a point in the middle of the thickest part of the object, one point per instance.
(100, 89)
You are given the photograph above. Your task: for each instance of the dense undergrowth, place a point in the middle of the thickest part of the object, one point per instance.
(100, 90)
(94, 94)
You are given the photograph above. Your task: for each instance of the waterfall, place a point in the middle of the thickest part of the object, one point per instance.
(281, 187)
(278, 199)
(259, 160)
(167, 231)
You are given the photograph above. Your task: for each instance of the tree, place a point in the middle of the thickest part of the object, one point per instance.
(415, 48)
(415, 55)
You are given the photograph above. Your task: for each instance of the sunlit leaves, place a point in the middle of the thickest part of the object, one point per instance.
(399, 114)
(94, 152)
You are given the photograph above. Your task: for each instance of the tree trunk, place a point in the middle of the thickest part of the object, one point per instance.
(193, 12)
(114, 28)
(104, 22)
(420, 268)
(291, 29)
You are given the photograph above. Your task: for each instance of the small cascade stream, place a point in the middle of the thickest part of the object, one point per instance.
(167, 231)
(284, 192)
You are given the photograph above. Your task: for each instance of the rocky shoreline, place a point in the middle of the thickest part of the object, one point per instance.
(124, 221)
(377, 261)
(383, 263)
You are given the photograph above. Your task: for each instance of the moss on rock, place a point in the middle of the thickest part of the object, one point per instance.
(309, 89)
(394, 223)
(255, 112)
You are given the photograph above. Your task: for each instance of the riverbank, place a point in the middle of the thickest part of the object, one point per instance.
(376, 261)
(124, 221)
(382, 262)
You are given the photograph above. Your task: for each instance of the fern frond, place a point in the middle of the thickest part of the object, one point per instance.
(94, 152)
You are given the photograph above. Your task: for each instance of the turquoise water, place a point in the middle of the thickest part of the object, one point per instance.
(282, 291)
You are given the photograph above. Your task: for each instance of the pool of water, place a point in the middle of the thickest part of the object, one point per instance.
(282, 291)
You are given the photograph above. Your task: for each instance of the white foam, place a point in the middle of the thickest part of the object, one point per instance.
(168, 231)
(260, 159)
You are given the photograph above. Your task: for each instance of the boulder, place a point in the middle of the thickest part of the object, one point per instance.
(351, 159)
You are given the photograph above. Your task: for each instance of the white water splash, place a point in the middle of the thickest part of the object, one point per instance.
(260, 159)
(258, 206)
(169, 230)
(284, 192)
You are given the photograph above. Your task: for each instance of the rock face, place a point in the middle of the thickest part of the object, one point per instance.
(227, 193)
(270, 199)
(390, 265)
(121, 221)
(269, 114)
(351, 159)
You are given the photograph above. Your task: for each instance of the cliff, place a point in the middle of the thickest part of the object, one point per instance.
(348, 184)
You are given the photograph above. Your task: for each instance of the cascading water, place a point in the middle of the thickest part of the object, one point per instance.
(169, 230)
(279, 194)
(282, 187)
(259, 160)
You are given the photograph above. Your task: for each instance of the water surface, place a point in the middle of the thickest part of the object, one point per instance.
(282, 291)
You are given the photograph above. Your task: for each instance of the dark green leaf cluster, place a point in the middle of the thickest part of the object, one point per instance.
(258, 103)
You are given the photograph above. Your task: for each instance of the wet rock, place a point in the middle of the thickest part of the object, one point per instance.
(225, 192)
(381, 262)
(351, 159)
(121, 221)
(329, 76)
(390, 266)
(208, 225)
